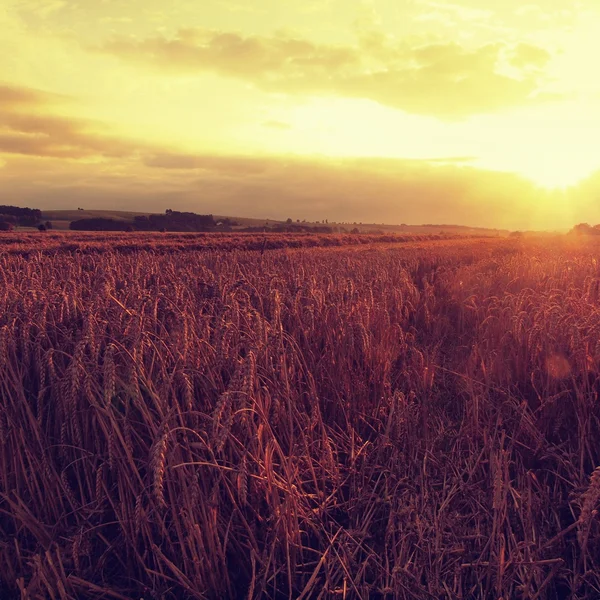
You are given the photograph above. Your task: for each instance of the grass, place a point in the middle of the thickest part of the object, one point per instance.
(394, 420)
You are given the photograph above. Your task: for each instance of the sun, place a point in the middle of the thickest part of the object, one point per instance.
(554, 146)
(555, 172)
(552, 159)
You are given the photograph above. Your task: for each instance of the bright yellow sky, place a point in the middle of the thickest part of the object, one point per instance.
(477, 112)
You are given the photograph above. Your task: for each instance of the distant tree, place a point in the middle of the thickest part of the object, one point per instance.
(5, 226)
(355, 230)
(42, 227)
(48, 225)
(98, 224)
(584, 229)
(174, 220)
(27, 217)
(227, 222)
(289, 221)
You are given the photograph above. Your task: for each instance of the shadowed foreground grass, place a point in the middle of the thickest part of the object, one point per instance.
(374, 422)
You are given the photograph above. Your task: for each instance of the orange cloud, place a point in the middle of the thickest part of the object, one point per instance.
(246, 165)
(446, 79)
(12, 97)
(28, 128)
(239, 166)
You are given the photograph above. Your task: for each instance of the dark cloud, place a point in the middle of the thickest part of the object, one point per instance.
(442, 79)
(58, 137)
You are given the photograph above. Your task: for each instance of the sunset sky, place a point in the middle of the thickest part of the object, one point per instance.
(476, 112)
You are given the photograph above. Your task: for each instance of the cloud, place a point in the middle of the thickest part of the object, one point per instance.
(446, 79)
(242, 165)
(27, 127)
(239, 166)
(12, 97)
(527, 56)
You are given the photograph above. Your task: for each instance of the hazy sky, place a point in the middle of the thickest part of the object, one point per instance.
(476, 111)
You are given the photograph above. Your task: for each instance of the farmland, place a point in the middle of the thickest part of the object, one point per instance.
(26, 243)
(212, 416)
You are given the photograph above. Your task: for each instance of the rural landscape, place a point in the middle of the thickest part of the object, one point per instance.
(299, 300)
(409, 417)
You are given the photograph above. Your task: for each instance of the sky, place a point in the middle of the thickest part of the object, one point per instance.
(476, 112)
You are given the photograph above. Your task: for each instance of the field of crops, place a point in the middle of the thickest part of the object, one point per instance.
(26, 243)
(413, 420)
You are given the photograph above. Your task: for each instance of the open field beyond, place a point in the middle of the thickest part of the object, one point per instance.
(392, 420)
(28, 243)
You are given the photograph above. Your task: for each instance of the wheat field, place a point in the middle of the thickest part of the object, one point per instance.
(414, 420)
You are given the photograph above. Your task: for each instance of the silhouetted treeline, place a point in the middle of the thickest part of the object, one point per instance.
(585, 229)
(26, 217)
(99, 224)
(174, 220)
(169, 221)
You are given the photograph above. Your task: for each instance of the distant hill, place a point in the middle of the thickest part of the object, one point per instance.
(61, 219)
